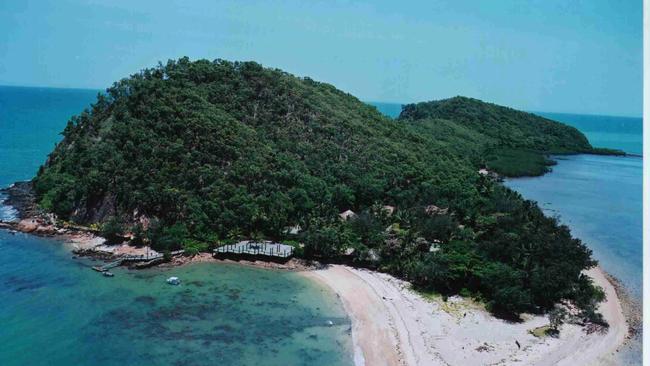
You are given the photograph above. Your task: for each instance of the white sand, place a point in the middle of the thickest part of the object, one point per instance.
(392, 325)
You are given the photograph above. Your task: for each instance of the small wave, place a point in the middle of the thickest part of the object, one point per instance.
(7, 213)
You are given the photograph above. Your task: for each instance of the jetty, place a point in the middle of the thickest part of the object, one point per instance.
(249, 249)
(138, 259)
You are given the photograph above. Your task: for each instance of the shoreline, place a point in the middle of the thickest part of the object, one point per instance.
(393, 325)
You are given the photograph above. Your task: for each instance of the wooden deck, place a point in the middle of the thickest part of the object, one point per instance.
(250, 248)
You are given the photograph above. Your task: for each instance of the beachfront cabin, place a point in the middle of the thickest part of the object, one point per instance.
(388, 209)
(293, 230)
(255, 250)
(432, 210)
(486, 173)
(373, 255)
(347, 215)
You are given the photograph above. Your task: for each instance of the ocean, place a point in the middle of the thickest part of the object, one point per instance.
(56, 311)
(621, 133)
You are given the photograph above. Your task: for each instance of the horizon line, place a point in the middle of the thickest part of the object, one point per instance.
(364, 101)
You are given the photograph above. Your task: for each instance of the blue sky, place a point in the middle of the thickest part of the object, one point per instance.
(560, 56)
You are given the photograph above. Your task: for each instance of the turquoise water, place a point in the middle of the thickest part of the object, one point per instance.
(57, 311)
(31, 120)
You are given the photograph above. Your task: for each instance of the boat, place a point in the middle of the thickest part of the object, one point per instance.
(108, 274)
(173, 281)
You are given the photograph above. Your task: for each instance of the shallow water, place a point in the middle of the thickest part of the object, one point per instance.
(220, 314)
(56, 311)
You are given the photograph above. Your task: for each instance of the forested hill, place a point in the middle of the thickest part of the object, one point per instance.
(510, 142)
(197, 154)
(502, 126)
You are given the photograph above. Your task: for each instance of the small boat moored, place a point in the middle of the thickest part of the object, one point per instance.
(173, 281)
(108, 274)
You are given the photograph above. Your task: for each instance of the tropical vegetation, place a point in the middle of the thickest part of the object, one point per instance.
(190, 154)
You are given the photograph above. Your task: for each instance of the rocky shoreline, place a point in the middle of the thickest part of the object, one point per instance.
(85, 242)
(20, 196)
(632, 308)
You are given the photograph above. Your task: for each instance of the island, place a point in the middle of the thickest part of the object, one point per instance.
(193, 156)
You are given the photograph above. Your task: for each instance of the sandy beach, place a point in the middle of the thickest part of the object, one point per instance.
(393, 325)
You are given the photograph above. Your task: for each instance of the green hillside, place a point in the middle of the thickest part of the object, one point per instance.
(510, 142)
(195, 154)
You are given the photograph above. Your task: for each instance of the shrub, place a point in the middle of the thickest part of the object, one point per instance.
(193, 247)
(556, 318)
(112, 231)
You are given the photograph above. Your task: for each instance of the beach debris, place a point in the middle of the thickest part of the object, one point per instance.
(540, 332)
(594, 328)
(174, 281)
(485, 347)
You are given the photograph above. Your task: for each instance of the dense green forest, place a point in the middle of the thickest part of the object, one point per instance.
(195, 154)
(511, 142)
